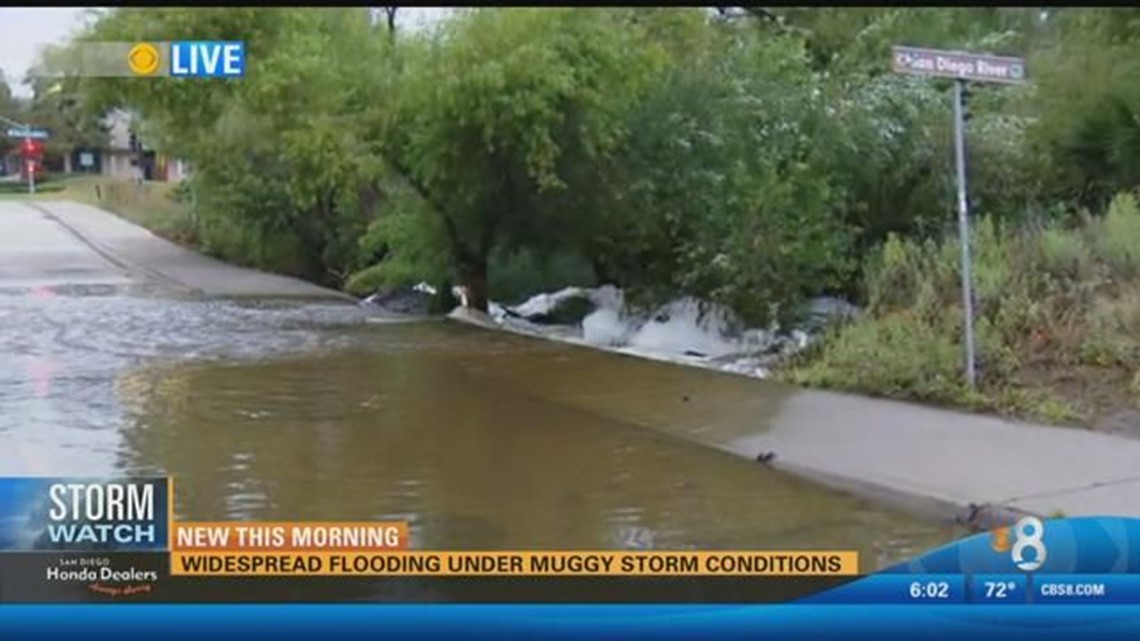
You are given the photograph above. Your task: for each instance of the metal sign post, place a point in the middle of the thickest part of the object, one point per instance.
(964, 228)
(31, 164)
(961, 67)
(21, 130)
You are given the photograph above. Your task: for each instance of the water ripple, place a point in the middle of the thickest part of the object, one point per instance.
(478, 440)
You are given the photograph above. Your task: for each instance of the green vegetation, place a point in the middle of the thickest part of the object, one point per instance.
(1058, 319)
(14, 189)
(56, 105)
(754, 161)
(159, 206)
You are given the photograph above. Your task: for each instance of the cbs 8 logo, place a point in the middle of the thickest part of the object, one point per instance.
(1027, 535)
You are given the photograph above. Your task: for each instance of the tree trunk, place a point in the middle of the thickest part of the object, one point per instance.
(602, 273)
(391, 14)
(473, 277)
(67, 162)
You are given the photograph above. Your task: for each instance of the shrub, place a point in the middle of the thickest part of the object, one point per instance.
(388, 273)
(1116, 237)
(1047, 298)
(515, 276)
(1113, 331)
(1061, 252)
(181, 193)
(897, 355)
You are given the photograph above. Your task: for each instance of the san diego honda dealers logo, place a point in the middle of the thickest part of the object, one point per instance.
(100, 576)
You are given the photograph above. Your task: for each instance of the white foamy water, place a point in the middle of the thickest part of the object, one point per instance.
(607, 328)
(687, 326)
(686, 331)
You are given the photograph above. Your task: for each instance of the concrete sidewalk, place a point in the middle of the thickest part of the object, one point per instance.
(946, 464)
(936, 459)
(144, 256)
(37, 252)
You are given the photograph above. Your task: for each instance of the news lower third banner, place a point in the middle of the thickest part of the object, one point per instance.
(82, 540)
(116, 540)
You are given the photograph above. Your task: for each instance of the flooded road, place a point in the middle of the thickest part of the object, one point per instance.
(480, 440)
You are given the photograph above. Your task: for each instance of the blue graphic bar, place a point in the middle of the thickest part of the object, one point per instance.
(1094, 545)
(51, 514)
(1064, 589)
(931, 589)
(999, 589)
(207, 59)
(360, 621)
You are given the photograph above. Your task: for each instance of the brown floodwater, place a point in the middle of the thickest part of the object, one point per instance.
(479, 440)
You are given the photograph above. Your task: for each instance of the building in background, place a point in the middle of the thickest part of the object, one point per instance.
(127, 156)
(124, 155)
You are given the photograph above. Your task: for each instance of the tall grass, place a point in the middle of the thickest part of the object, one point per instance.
(1048, 298)
(158, 206)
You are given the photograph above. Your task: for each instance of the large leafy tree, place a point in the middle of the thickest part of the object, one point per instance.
(488, 108)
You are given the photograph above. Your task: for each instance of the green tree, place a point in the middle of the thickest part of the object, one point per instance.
(487, 108)
(9, 107)
(8, 104)
(718, 192)
(1088, 104)
(57, 105)
(749, 161)
(285, 177)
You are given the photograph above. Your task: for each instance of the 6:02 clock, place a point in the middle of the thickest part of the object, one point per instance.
(929, 590)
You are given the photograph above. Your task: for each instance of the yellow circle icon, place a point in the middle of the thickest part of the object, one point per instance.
(143, 59)
(999, 540)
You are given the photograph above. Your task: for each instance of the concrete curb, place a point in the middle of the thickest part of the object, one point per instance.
(978, 517)
(958, 500)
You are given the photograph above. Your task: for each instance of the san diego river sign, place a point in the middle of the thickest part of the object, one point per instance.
(963, 66)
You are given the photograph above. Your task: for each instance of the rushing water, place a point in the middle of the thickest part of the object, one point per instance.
(478, 439)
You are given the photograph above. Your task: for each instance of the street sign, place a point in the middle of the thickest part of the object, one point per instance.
(39, 134)
(963, 67)
(959, 65)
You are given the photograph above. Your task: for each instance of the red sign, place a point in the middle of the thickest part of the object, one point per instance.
(32, 148)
